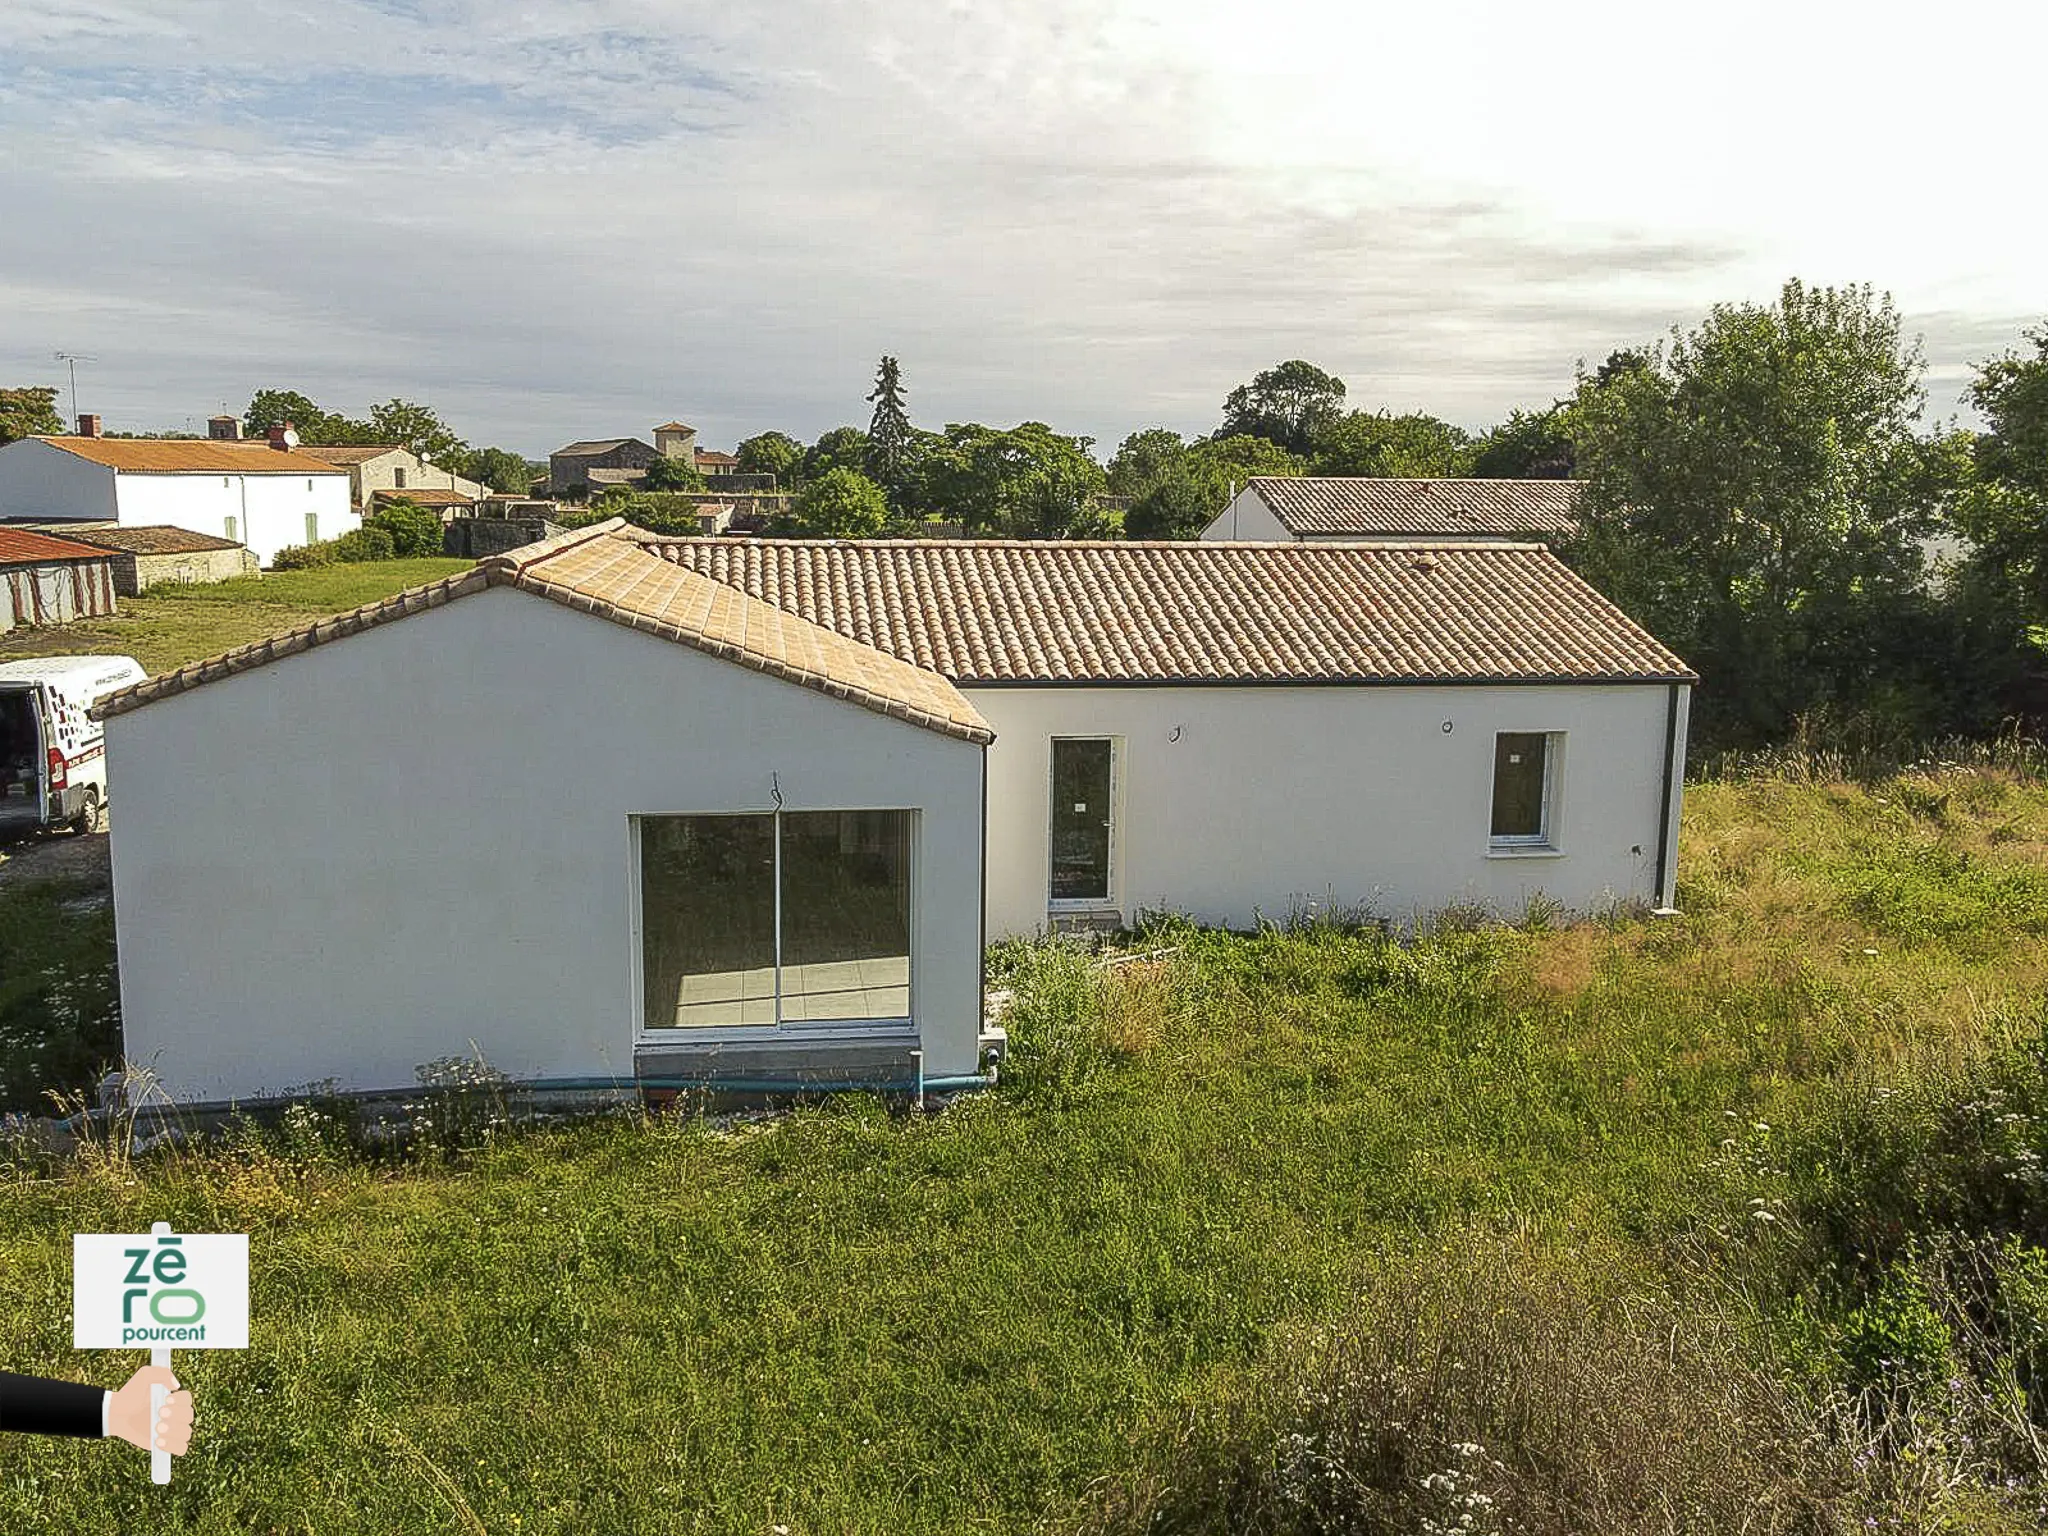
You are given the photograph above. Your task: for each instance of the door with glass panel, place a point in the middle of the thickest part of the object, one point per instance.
(798, 917)
(1083, 809)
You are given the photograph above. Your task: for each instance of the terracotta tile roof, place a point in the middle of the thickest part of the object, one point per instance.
(427, 498)
(20, 546)
(713, 456)
(348, 455)
(675, 426)
(984, 612)
(153, 539)
(189, 456)
(594, 572)
(1331, 506)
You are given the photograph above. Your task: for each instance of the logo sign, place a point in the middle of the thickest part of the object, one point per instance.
(160, 1290)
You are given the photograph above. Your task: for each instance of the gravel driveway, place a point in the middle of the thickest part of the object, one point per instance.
(56, 856)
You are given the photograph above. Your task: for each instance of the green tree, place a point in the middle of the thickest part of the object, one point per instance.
(1756, 491)
(2006, 512)
(1529, 445)
(1291, 403)
(842, 503)
(1379, 445)
(1237, 459)
(841, 448)
(1025, 482)
(771, 453)
(889, 428)
(29, 412)
(666, 474)
(417, 428)
(499, 468)
(1143, 459)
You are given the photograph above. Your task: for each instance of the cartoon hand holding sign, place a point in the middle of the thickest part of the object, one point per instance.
(158, 1292)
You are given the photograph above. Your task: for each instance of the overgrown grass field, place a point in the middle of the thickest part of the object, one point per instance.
(1729, 1221)
(170, 626)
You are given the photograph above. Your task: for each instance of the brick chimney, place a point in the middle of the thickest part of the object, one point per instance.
(88, 425)
(224, 428)
(284, 439)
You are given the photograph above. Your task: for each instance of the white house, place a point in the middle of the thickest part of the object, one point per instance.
(760, 823)
(259, 494)
(1354, 507)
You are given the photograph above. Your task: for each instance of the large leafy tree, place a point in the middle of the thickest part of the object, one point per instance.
(666, 474)
(771, 453)
(1757, 488)
(1380, 445)
(1292, 404)
(1529, 445)
(1177, 488)
(1025, 482)
(499, 468)
(841, 448)
(889, 428)
(2006, 512)
(1142, 458)
(842, 503)
(418, 428)
(280, 407)
(29, 412)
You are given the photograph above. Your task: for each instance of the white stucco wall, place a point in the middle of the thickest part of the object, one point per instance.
(1275, 797)
(38, 481)
(367, 856)
(1248, 519)
(269, 510)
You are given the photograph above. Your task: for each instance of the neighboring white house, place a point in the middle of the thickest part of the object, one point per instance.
(254, 493)
(1350, 507)
(616, 824)
(1226, 730)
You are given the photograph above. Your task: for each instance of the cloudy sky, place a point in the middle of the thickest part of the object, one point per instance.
(555, 219)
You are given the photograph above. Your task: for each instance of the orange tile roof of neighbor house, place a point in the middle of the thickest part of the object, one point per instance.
(20, 546)
(990, 612)
(618, 579)
(1349, 507)
(190, 456)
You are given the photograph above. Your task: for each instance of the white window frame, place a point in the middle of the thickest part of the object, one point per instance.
(798, 1029)
(1108, 901)
(1545, 838)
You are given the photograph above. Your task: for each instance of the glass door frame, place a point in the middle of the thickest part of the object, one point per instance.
(781, 1029)
(1107, 902)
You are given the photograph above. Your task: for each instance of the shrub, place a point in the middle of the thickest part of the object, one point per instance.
(363, 544)
(303, 557)
(414, 531)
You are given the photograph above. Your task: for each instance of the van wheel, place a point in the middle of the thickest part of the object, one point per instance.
(90, 817)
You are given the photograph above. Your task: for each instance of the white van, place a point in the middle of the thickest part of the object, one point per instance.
(53, 756)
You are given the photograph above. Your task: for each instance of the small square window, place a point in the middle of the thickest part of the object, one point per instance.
(1524, 764)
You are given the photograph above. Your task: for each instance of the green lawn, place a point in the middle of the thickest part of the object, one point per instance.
(1094, 1278)
(170, 626)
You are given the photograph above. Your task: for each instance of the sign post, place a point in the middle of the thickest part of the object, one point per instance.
(160, 1291)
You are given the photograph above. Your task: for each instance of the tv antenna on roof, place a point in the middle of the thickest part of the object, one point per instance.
(74, 359)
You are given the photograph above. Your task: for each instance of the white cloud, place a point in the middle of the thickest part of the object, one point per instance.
(560, 218)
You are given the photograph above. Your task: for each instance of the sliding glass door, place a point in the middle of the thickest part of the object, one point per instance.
(763, 920)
